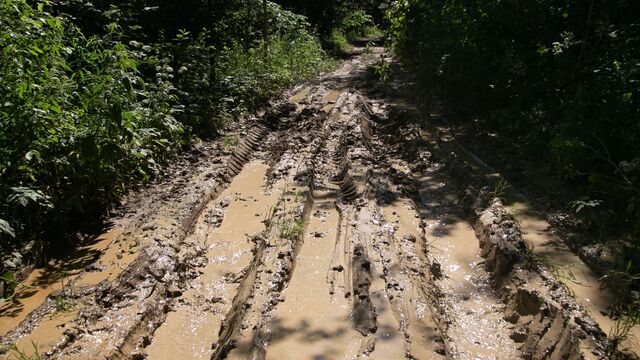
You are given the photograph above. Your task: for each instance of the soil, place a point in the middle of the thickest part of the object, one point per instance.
(338, 226)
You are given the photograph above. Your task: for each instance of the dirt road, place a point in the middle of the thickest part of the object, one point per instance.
(328, 227)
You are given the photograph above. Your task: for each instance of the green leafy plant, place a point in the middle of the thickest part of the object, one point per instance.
(559, 88)
(355, 23)
(337, 42)
(382, 69)
(9, 286)
(94, 104)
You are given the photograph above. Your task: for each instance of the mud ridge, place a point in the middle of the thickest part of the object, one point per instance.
(411, 253)
(546, 319)
(232, 323)
(364, 314)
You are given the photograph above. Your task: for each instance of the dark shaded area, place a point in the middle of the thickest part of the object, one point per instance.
(556, 83)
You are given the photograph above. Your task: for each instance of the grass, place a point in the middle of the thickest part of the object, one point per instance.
(372, 32)
(290, 228)
(64, 300)
(230, 140)
(337, 43)
(18, 354)
(534, 261)
(499, 189)
(620, 337)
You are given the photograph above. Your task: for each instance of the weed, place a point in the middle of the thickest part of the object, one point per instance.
(297, 197)
(382, 70)
(64, 300)
(22, 355)
(368, 51)
(289, 228)
(533, 261)
(620, 337)
(512, 217)
(230, 140)
(499, 189)
(621, 282)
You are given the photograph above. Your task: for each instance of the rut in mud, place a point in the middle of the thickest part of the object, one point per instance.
(320, 235)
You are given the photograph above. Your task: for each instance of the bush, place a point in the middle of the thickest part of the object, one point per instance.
(86, 115)
(355, 23)
(337, 43)
(558, 78)
(77, 122)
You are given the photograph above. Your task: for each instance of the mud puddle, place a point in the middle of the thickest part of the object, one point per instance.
(564, 264)
(313, 321)
(409, 277)
(353, 294)
(193, 326)
(477, 327)
(52, 285)
(43, 282)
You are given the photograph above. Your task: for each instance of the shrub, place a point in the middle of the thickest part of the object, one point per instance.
(85, 116)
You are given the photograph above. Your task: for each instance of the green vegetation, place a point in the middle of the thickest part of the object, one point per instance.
(499, 189)
(558, 78)
(340, 21)
(18, 354)
(622, 283)
(290, 228)
(621, 338)
(95, 98)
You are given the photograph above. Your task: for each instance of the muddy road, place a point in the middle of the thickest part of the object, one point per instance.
(329, 226)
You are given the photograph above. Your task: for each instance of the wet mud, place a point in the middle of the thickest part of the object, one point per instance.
(334, 228)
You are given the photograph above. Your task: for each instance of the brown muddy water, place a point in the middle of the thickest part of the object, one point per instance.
(478, 326)
(327, 232)
(194, 324)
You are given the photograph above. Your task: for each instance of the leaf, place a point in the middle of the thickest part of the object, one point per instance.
(31, 154)
(127, 115)
(24, 196)
(5, 228)
(55, 107)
